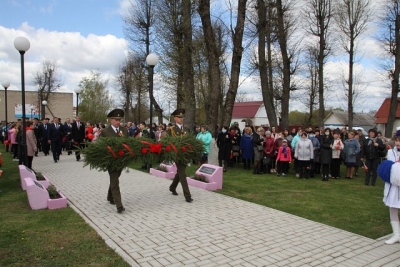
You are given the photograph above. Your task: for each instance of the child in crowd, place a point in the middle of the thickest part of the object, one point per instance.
(283, 159)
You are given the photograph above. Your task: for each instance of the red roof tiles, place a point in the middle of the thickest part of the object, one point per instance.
(383, 112)
(246, 109)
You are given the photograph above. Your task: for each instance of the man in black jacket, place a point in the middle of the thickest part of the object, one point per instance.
(370, 152)
(55, 135)
(44, 127)
(78, 136)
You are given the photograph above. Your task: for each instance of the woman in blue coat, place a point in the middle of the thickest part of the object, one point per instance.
(351, 150)
(246, 147)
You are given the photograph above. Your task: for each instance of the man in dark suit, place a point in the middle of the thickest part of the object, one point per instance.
(68, 136)
(55, 135)
(179, 130)
(78, 136)
(115, 130)
(44, 127)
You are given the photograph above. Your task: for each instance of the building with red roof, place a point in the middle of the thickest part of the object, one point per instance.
(250, 113)
(383, 113)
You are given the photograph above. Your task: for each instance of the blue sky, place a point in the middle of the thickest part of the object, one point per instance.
(100, 17)
(87, 35)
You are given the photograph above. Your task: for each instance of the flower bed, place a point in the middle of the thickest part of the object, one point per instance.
(57, 203)
(40, 197)
(162, 174)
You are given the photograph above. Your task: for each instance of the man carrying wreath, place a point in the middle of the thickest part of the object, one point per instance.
(114, 130)
(178, 129)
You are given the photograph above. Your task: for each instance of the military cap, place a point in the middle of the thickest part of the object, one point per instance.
(116, 114)
(179, 112)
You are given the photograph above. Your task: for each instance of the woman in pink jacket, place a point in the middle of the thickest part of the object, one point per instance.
(283, 158)
(12, 134)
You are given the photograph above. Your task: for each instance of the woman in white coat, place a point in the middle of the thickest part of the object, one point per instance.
(391, 196)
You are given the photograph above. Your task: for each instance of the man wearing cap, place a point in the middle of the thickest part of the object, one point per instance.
(115, 130)
(179, 130)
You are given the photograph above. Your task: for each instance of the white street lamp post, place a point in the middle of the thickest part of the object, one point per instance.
(22, 45)
(6, 84)
(152, 60)
(77, 91)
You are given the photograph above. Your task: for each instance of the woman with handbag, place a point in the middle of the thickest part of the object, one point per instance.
(326, 153)
(234, 154)
(304, 153)
(269, 150)
(351, 150)
(246, 147)
(258, 148)
(224, 144)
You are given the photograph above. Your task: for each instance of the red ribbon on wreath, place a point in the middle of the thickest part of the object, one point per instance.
(129, 149)
(111, 151)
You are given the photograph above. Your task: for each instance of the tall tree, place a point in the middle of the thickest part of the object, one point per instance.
(170, 43)
(213, 62)
(139, 24)
(310, 98)
(352, 17)
(265, 32)
(285, 24)
(319, 14)
(237, 39)
(391, 40)
(95, 102)
(47, 80)
(188, 73)
(132, 85)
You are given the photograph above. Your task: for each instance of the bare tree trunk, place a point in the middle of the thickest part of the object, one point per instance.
(395, 77)
(213, 62)
(188, 80)
(350, 85)
(282, 40)
(352, 17)
(266, 89)
(237, 37)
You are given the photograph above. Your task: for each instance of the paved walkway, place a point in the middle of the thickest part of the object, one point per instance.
(159, 229)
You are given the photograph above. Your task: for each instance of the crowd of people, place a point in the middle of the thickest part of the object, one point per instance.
(47, 136)
(313, 151)
(58, 137)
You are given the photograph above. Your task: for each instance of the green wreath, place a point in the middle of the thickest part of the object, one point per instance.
(111, 154)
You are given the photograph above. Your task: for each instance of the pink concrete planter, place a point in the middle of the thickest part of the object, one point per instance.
(212, 186)
(25, 172)
(161, 174)
(37, 194)
(57, 203)
(44, 182)
(170, 168)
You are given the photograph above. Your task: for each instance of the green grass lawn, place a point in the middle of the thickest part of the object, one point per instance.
(342, 203)
(45, 237)
(62, 238)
